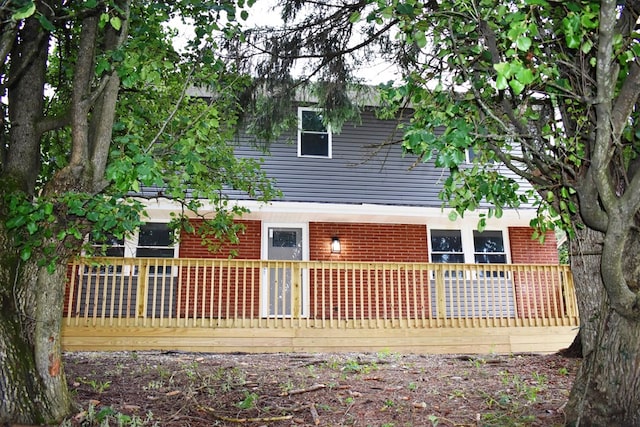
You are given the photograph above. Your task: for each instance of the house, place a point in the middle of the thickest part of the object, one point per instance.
(357, 255)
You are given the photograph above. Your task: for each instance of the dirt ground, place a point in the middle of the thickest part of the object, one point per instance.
(352, 389)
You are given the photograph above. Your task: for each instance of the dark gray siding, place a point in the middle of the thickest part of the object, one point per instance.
(360, 170)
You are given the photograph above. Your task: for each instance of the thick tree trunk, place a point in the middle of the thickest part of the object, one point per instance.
(606, 391)
(585, 254)
(33, 388)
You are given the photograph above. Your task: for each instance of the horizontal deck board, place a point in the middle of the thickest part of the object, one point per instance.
(255, 340)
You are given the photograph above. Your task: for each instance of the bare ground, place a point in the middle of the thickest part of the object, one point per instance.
(301, 389)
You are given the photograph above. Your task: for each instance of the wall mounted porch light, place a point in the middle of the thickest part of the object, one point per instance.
(335, 245)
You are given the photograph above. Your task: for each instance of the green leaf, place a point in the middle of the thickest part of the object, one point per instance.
(502, 67)
(24, 12)
(586, 46)
(421, 39)
(501, 82)
(516, 86)
(116, 23)
(453, 215)
(355, 17)
(46, 24)
(573, 41)
(523, 43)
(25, 254)
(525, 76)
(32, 227)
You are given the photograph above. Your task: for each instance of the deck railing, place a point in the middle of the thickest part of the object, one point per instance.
(210, 293)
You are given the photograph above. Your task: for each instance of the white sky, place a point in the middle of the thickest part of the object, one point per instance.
(262, 13)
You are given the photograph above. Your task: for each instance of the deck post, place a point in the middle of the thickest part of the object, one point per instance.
(296, 277)
(143, 284)
(441, 300)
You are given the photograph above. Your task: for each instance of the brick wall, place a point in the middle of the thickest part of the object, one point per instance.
(539, 292)
(524, 250)
(248, 248)
(369, 242)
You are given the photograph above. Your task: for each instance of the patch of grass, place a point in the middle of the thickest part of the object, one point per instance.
(250, 401)
(107, 416)
(96, 385)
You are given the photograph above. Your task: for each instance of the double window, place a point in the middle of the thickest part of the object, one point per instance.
(153, 240)
(454, 246)
(314, 137)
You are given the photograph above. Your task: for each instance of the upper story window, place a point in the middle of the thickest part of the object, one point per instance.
(446, 246)
(314, 138)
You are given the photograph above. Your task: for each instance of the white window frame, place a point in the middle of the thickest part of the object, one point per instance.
(301, 132)
(431, 250)
(131, 247)
(468, 247)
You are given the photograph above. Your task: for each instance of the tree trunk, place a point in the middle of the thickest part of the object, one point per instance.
(606, 390)
(33, 388)
(585, 254)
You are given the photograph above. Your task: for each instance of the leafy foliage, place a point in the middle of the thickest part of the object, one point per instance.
(166, 142)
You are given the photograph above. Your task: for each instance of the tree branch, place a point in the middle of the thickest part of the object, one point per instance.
(80, 102)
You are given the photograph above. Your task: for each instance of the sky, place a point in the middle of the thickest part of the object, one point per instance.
(262, 13)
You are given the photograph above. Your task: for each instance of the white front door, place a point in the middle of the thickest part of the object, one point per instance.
(281, 290)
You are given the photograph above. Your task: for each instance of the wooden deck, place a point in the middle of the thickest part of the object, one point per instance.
(287, 306)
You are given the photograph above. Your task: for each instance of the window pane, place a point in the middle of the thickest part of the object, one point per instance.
(491, 259)
(115, 251)
(155, 253)
(446, 241)
(312, 121)
(488, 241)
(108, 246)
(154, 234)
(448, 258)
(285, 239)
(446, 246)
(314, 144)
(489, 247)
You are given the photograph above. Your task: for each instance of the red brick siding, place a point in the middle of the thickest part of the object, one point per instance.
(248, 248)
(540, 284)
(220, 283)
(217, 292)
(525, 250)
(366, 293)
(369, 242)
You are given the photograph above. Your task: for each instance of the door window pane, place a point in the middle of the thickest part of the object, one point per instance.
(285, 239)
